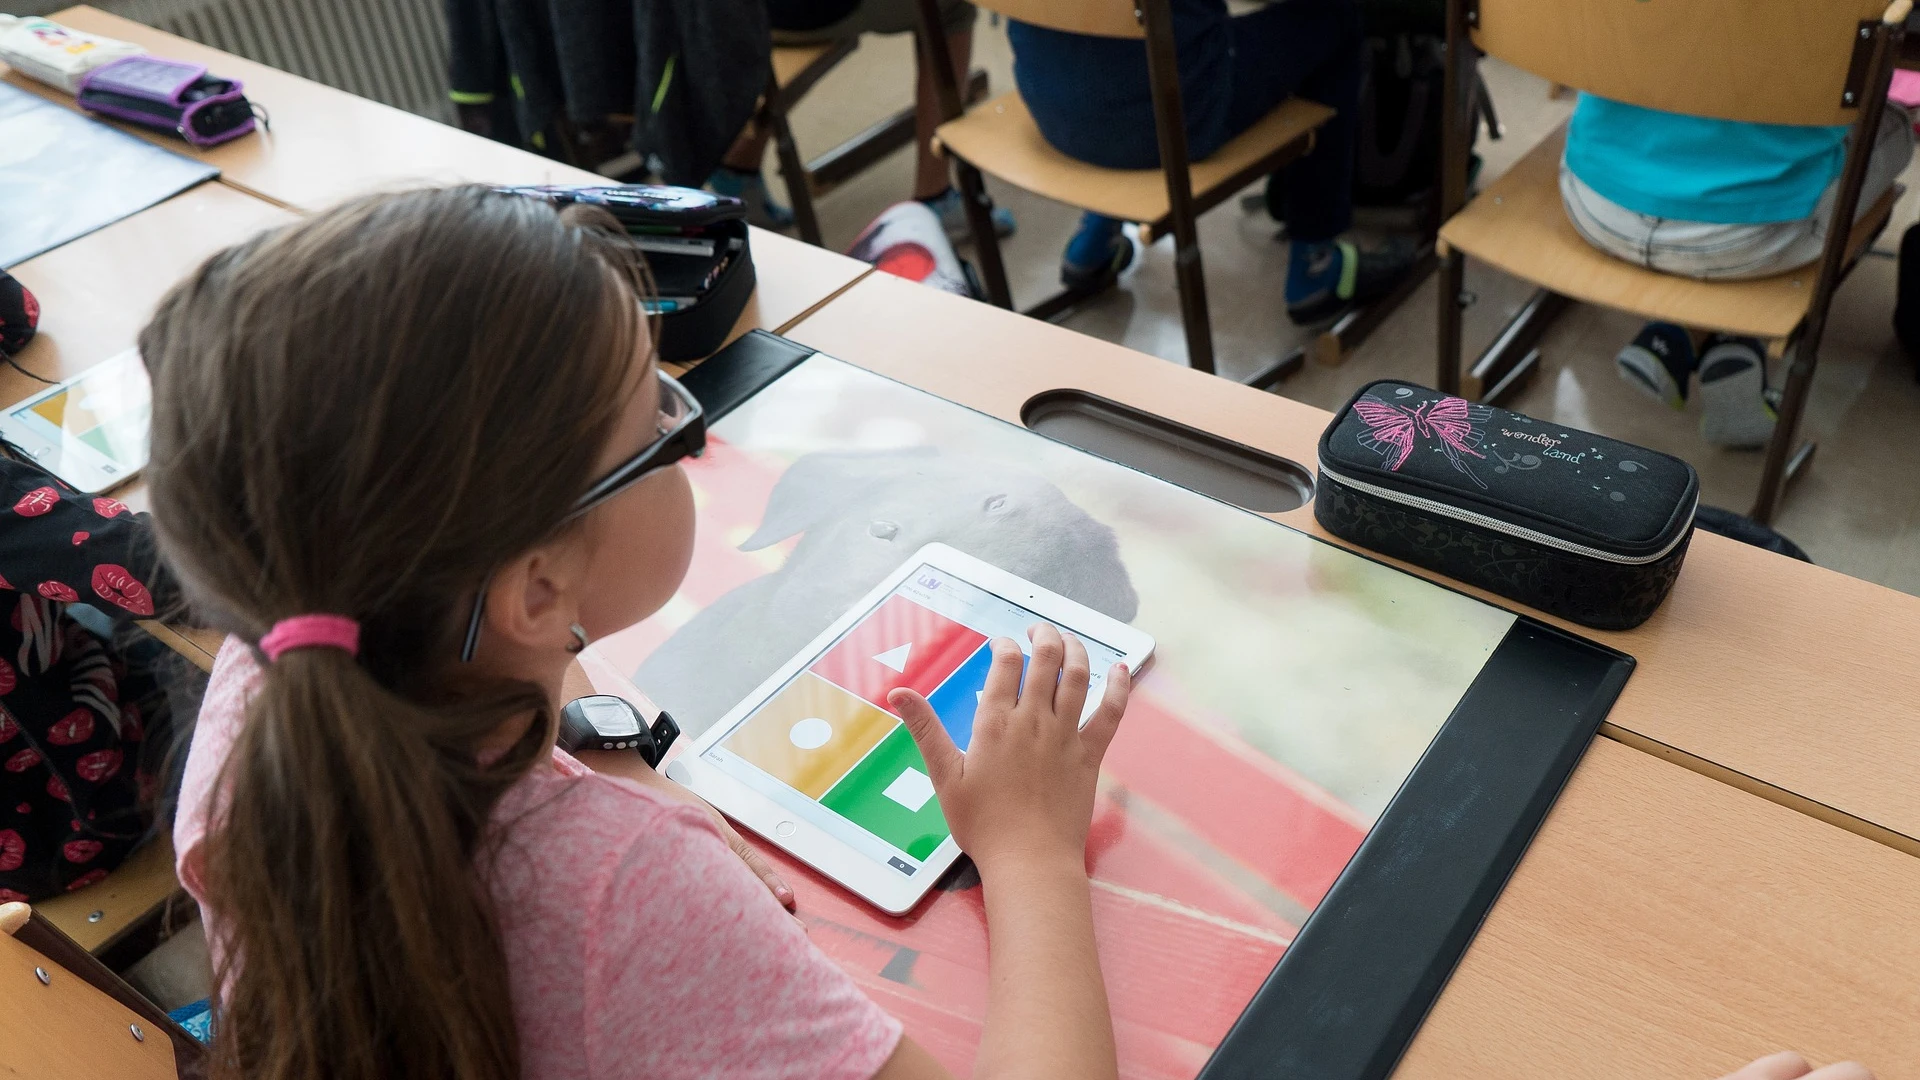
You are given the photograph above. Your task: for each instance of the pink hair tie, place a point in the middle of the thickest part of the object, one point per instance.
(312, 632)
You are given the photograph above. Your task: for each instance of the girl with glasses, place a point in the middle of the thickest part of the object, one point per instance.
(412, 454)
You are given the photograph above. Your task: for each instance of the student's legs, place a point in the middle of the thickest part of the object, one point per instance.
(1289, 49)
(1662, 360)
(1308, 50)
(1312, 51)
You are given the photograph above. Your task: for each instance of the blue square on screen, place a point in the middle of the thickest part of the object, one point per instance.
(956, 699)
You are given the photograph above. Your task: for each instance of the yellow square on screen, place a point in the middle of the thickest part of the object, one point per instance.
(810, 734)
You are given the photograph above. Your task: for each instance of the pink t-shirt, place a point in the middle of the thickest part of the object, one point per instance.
(637, 944)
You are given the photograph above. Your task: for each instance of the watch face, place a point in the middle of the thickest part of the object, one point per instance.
(611, 717)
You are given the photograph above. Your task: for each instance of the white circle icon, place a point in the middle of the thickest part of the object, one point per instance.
(811, 733)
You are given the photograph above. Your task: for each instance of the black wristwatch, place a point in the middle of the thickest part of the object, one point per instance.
(606, 722)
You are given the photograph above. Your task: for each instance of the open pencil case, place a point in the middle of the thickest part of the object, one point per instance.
(696, 247)
(170, 96)
(1575, 524)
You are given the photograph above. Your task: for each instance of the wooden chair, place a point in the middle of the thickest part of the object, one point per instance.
(1760, 61)
(796, 70)
(125, 912)
(70, 1018)
(130, 900)
(1000, 137)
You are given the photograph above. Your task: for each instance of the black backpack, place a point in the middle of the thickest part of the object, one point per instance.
(1906, 298)
(1402, 103)
(1402, 97)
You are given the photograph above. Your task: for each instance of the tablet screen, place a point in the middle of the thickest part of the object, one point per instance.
(108, 410)
(825, 748)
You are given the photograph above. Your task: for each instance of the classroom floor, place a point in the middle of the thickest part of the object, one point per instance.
(1856, 510)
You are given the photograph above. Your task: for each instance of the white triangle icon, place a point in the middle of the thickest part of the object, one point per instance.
(896, 658)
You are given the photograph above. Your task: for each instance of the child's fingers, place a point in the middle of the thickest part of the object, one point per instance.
(1785, 1065)
(1071, 696)
(1043, 668)
(930, 735)
(13, 917)
(1105, 721)
(1845, 1070)
(1002, 687)
(762, 869)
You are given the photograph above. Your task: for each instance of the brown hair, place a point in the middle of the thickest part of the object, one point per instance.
(365, 413)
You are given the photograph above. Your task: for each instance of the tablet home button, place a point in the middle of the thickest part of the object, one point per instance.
(785, 828)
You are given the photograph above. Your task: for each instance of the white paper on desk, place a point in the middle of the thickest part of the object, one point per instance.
(64, 174)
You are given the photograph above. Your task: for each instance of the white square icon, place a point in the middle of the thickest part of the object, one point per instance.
(910, 789)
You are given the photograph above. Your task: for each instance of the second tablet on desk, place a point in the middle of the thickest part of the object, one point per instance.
(90, 430)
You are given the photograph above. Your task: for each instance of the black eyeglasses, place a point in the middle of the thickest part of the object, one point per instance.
(680, 433)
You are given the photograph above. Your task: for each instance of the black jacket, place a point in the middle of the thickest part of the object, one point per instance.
(689, 72)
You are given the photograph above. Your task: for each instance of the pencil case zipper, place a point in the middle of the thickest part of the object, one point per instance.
(1492, 524)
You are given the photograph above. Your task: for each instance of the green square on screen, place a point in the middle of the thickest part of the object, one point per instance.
(888, 794)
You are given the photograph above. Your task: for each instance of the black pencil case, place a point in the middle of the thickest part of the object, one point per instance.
(1575, 524)
(697, 248)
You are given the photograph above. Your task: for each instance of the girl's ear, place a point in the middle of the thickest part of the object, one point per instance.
(534, 599)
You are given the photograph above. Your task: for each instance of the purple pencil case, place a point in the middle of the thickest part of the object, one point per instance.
(170, 96)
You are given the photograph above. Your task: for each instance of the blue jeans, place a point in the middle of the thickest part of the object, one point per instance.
(1091, 99)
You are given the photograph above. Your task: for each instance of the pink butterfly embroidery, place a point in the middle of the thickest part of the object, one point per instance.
(1394, 430)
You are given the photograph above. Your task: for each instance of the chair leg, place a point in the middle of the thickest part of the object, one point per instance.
(1193, 303)
(986, 245)
(1452, 282)
(799, 182)
(1277, 372)
(1511, 360)
(1782, 462)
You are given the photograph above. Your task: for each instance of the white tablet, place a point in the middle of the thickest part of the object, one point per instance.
(91, 430)
(813, 761)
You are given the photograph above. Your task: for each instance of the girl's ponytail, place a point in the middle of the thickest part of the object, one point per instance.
(344, 851)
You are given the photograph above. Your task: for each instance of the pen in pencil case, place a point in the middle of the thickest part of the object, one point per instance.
(667, 305)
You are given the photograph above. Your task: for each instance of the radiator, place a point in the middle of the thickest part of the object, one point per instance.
(394, 51)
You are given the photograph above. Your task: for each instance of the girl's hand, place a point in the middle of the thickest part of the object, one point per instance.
(13, 917)
(756, 862)
(1788, 1065)
(1023, 790)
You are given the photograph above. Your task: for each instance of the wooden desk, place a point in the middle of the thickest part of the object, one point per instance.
(792, 280)
(1664, 923)
(1784, 678)
(98, 291)
(325, 144)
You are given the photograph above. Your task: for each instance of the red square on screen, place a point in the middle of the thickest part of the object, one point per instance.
(899, 644)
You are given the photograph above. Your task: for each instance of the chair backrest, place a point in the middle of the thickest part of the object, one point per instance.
(1100, 18)
(1761, 61)
(61, 1028)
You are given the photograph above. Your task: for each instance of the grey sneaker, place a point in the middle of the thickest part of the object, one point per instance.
(1736, 409)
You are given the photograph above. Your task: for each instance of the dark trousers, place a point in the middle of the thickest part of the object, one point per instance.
(1091, 99)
